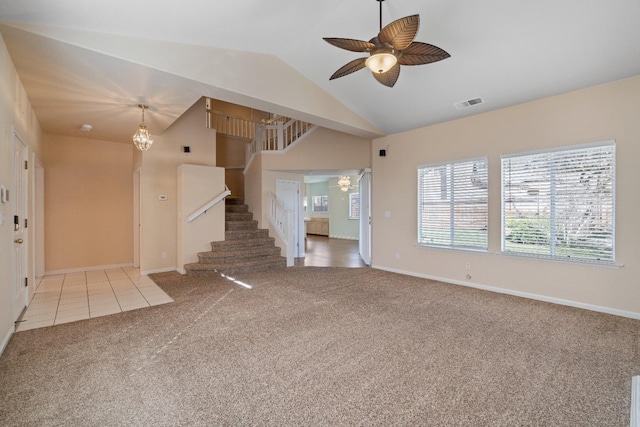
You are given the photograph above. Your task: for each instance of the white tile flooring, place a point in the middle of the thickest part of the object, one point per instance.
(69, 297)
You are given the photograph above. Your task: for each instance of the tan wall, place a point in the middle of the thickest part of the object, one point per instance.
(595, 114)
(159, 177)
(231, 154)
(88, 203)
(15, 110)
(323, 149)
(197, 185)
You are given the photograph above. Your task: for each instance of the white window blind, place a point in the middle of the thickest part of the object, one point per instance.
(453, 205)
(560, 204)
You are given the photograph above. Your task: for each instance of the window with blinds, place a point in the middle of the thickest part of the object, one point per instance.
(453, 205)
(560, 204)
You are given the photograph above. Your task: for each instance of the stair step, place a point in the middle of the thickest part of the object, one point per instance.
(241, 225)
(236, 208)
(235, 244)
(238, 216)
(250, 266)
(246, 234)
(239, 255)
(234, 201)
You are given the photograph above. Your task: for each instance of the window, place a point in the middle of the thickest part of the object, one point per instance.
(320, 203)
(453, 205)
(560, 204)
(354, 205)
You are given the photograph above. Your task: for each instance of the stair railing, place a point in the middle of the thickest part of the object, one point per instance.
(282, 222)
(278, 136)
(217, 199)
(228, 124)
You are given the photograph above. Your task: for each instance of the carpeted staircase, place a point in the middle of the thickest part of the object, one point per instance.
(246, 248)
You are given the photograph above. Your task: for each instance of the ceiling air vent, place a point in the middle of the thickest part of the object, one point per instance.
(468, 103)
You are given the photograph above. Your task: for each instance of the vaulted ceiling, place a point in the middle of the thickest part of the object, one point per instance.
(93, 62)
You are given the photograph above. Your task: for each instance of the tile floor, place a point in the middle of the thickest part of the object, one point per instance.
(69, 297)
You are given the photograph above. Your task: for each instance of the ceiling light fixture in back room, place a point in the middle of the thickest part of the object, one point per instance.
(141, 138)
(392, 47)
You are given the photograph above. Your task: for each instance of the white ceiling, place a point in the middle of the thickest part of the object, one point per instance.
(78, 68)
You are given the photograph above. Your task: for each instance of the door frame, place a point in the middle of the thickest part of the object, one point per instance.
(298, 220)
(137, 230)
(19, 200)
(365, 216)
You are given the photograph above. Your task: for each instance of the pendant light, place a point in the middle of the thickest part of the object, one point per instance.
(141, 138)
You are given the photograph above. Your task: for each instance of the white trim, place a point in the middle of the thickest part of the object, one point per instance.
(559, 301)
(343, 237)
(81, 269)
(594, 144)
(5, 340)
(635, 402)
(158, 270)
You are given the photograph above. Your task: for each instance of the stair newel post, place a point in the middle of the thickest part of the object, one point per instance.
(280, 136)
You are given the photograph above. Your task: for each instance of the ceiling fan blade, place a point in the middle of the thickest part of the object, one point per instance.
(351, 67)
(418, 53)
(390, 77)
(350, 44)
(400, 33)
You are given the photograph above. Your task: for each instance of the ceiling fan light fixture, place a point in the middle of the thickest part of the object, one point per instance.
(141, 139)
(381, 62)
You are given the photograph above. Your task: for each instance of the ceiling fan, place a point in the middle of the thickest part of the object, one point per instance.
(392, 47)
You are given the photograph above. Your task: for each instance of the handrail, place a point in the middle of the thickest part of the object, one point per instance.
(209, 204)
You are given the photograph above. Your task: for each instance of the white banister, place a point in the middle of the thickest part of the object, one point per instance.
(282, 223)
(278, 136)
(209, 204)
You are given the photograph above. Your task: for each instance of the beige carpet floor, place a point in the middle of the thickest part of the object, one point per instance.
(325, 346)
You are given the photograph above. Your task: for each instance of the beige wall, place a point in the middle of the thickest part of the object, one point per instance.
(159, 177)
(324, 149)
(88, 203)
(600, 113)
(15, 111)
(196, 187)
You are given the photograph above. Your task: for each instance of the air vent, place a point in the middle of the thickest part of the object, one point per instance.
(468, 103)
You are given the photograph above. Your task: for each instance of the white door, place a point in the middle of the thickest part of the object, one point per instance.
(288, 194)
(19, 198)
(365, 216)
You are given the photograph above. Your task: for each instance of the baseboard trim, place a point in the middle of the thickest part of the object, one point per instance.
(344, 237)
(158, 270)
(635, 402)
(92, 268)
(559, 301)
(5, 339)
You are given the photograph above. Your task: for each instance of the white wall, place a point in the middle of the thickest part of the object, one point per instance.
(15, 111)
(600, 113)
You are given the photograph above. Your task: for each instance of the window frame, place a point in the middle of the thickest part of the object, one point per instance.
(353, 196)
(555, 218)
(453, 224)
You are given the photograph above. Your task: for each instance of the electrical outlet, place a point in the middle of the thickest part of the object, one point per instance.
(397, 255)
(164, 255)
(468, 266)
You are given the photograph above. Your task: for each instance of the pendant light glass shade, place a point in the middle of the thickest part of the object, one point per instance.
(381, 62)
(141, 139)
(344, 183)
